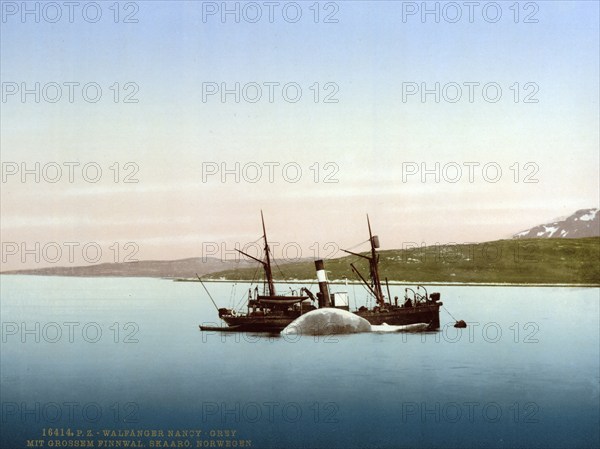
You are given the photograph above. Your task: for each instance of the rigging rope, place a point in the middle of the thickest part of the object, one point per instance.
(278, 267)
(448, 312)
(357, 245)
(244, 296)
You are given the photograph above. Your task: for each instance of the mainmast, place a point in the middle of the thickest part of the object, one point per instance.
(374, 268)
(267, 265)
(375, 286)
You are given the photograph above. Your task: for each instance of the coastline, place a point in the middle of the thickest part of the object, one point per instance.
(437, 283)
(332, 282)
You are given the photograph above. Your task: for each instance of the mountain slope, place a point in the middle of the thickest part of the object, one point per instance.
(144, 268)
(583, 223)
(533, 261)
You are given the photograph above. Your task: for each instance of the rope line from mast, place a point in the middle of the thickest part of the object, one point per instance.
(448, 312)
(244, 296)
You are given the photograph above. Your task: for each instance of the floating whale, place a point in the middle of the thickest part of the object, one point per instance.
(418, 327)
(329, 321)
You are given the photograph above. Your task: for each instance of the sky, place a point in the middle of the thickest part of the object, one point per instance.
(160, 130)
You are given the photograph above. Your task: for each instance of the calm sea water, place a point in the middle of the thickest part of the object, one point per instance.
(100, 354)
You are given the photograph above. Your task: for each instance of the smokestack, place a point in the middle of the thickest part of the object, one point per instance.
(324, 300)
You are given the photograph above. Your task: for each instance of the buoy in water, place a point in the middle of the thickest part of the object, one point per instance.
(460, 324)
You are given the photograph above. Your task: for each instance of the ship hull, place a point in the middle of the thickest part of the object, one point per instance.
(271, 324)
(398, 316)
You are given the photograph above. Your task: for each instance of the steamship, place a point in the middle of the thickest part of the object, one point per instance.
(271, 312)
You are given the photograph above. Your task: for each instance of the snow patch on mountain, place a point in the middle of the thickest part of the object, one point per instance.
(589, 217)
(583, 223)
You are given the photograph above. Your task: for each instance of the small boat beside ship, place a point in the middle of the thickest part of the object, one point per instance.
(272, 312)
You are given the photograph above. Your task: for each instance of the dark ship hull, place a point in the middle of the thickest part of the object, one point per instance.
(399, 316)
(396, 316)
(255, 323)
(267, 313)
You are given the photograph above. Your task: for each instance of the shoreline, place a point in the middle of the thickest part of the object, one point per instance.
(437, 283)
(314, 281)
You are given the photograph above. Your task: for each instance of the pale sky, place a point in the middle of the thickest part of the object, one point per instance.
(374, 141)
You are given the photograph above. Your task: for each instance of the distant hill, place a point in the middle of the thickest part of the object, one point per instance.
(583, 223)
(533, 261)
(528, 261)
(186, 268)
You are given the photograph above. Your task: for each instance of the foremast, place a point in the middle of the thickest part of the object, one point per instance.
(267, 265)
(267, 262)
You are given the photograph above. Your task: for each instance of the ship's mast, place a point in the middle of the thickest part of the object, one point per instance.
(267, 265)
(374, 268)
(375, 286)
